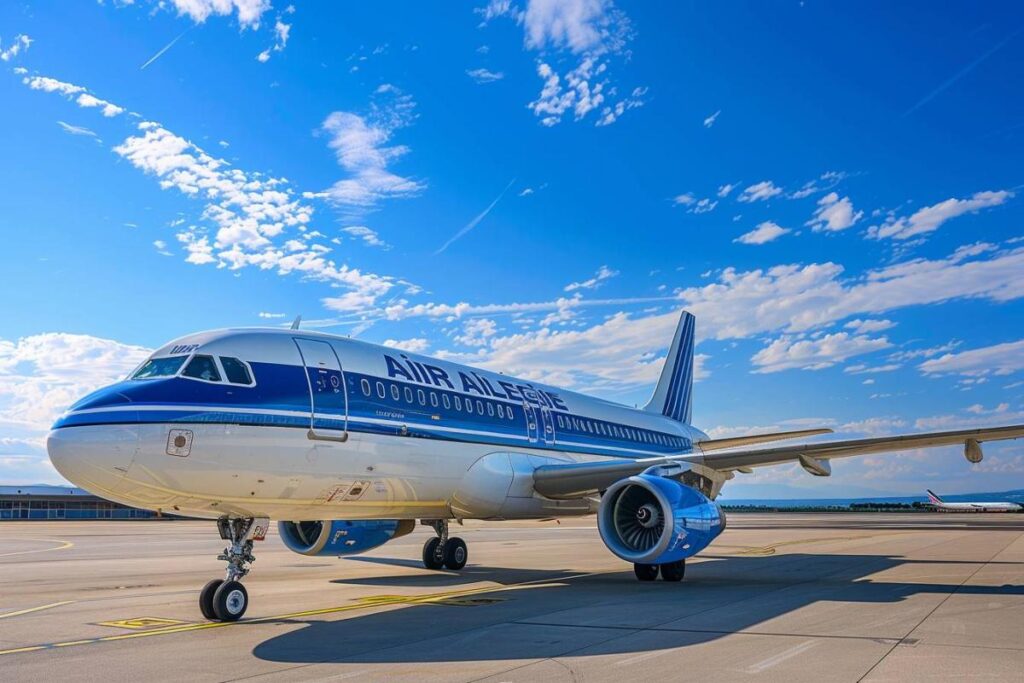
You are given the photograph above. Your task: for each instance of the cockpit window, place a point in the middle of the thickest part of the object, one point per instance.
(202, 367)
(159, 367)
(235, 370)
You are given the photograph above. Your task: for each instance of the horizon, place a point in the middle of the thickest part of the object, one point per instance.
(540, 193)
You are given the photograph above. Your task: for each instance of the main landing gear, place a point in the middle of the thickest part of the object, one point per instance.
(442, 551)
(226, 599)
(670, 571)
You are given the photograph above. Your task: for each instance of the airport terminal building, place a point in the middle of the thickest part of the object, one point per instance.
(61, 502)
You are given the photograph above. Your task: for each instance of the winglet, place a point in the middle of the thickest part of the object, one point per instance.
(673, 397)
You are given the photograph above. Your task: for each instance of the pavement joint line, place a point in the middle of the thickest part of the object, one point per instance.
(30, 610)
(61, 545)
(932, 611)
(425, 599)
(661, 629)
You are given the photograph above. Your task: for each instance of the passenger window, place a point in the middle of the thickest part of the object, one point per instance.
(501, 411)
(469, 406)
(511, 413)
(490, 409)
(365, 384)
(480, 407)
(433, 399)
(235, 370)
(447, 402)
(408, 395)
(458, 403)
(421, 396)
(380, 390)
(202, 367)
(395, 393)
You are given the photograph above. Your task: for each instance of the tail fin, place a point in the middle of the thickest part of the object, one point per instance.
(932, 497)
(674, 394)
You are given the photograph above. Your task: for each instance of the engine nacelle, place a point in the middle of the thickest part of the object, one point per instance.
(647, 519)
(340, 537)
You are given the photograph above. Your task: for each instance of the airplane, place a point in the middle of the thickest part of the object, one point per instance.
(347, 444)
(943, 506)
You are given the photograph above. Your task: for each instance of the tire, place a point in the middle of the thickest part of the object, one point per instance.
(646, 572)
(432, 559)
(455, 554)
(206, 599)
(230, 601)
(673, 571)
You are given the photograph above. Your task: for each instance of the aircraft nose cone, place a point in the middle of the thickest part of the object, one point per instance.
(95, 457)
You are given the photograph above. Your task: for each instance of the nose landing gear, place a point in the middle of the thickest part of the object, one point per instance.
(442, 551)
(226, 599)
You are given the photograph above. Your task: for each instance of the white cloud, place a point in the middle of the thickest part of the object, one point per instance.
(367, 235)
(1000, 359)
(161, 248)
(834, 214)
(282, 32)
(361, 146)
(931, 218)
(724, 190)
(484, 76)
(76, 130)
(862, 369)
(765, 232)
(527, 191)
(414, 345)
(603, 273)
(788, 352)
(259, 222)
(84, 99)
(477, 331)
(761, 191)
(41, 375)
(694, 205)
(710, 121)
(21, 44)
(248, 12)
(868, 326)
(595, 34)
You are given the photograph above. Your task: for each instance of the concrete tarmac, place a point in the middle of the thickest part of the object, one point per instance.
(793, 597)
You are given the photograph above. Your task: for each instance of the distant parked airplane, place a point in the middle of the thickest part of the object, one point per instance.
(943, 506)
(347, 444)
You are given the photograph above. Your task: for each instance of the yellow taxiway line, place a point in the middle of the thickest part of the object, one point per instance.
(361, 604)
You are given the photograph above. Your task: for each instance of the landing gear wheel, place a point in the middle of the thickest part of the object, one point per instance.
(206, 599)
(673, 571)
(646, 572)
(455, 554)
(230, 601)
(432, 556)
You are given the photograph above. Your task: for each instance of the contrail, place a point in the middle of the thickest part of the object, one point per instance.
(961, 73)
(165, 48)
(476, 221)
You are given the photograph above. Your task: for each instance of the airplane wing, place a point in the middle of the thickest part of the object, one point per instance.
(580, 479)
(732, 442)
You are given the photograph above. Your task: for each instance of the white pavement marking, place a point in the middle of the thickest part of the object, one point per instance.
(781, 657)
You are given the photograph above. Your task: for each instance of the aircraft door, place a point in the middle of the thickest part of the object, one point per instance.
(328, 400)
(547, 423)
(531, 422)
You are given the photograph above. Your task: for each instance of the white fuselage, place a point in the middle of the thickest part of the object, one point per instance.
(332, 428)
(977, 507)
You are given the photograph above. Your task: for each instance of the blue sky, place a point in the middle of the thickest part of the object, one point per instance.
(834, 191)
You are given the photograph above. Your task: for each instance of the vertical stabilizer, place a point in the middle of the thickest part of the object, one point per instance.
(932, 497)
(673, 396)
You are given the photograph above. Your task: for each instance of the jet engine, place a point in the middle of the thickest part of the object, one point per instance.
(340, 537)
(649, 519)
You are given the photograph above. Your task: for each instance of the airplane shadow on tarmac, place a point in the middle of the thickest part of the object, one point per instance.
(563, 612)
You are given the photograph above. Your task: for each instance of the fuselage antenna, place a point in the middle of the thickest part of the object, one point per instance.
(295, 323)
